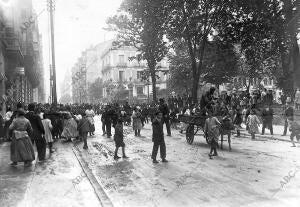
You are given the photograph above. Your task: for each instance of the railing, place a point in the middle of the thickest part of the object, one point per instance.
(122, 65)
(13, 44)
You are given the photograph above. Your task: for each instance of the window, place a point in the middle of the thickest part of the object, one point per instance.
(121, 75)
(265, 81)
(139, 90)
(121, 59)
(139, 75)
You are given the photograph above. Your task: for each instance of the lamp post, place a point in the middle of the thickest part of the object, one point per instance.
(51, 8)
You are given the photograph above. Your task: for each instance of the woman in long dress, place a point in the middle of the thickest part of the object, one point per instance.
(70, 128)
(90, 116)
(253, 124)
(137, 122)
(21, 145)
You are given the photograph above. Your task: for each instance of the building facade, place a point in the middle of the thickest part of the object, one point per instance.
(86, 71)
(20, 55)
(122, 72)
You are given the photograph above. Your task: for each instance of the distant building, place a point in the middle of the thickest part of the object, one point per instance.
(119, 72)
(112, 65)
(86, 71)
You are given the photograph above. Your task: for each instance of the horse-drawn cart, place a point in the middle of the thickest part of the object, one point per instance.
(194, 124)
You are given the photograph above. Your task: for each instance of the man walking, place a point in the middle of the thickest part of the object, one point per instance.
(38, 132)
(158, 138)
(267, 117)
(288, 115)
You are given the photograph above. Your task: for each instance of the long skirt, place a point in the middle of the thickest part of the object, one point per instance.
(213, 135)
(21, 150)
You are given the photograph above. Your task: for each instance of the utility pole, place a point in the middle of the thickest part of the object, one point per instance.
(51, 8)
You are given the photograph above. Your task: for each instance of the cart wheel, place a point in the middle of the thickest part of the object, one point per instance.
(190, 134)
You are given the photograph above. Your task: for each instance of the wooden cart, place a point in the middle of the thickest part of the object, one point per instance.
(194, 124)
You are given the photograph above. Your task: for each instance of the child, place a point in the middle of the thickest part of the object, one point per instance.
(84, 129)
(295, 131)
(48, 135)
(211, 130)
(253, 124)
(119, 139)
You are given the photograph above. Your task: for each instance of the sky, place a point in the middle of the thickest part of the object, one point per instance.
(78, 25)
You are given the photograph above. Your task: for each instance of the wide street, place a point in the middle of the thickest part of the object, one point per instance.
(255, 173)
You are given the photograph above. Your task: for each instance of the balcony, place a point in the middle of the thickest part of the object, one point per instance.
(122, 65)
(13, 45)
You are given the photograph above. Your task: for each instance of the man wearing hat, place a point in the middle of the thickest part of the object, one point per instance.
(158, 138)
(38, 131)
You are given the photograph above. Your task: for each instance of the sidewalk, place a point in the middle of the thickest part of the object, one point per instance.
(57, 181)
(277, 133)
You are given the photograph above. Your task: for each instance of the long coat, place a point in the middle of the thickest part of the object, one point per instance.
(21, 148)
(37, 125)
(157, 131)
(136, 121)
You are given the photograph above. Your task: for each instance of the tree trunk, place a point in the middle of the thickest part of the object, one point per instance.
(195, 85)
(153, 79)
(296, 62)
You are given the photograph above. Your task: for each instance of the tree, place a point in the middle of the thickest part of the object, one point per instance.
(267, 34)
(180, 69)
(194, 22)
(220, 62)
(219, 65)
(140, 23)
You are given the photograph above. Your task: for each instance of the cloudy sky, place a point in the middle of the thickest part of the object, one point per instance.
(78, 25)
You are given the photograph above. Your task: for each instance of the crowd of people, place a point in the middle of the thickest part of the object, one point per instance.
(43, 124)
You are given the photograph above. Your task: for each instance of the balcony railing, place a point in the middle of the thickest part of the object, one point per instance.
(13, 45)
(122, 65)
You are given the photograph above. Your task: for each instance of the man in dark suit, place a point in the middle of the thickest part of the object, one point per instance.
(288, 115)
(163, 108)
(38, 132)
(267, 117)
(158, 138)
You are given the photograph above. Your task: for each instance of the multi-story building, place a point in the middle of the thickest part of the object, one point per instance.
(20, 42)
(117, 70)
(123, 72)
(86, 71)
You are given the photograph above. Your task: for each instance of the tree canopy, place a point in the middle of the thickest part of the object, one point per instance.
(140, 23)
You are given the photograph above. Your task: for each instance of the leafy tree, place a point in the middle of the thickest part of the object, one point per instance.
(194, 23)
(219, 65)
(220, 62)
(180, 69)
(140, 23)
(266, 32)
